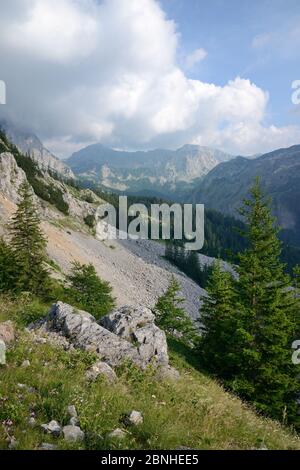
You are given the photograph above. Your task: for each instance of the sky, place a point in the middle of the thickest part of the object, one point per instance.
(142, 74)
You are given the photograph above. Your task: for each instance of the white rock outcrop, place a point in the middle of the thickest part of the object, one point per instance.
(137, 326)
(126, 334)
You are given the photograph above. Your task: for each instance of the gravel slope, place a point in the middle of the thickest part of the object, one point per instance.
(135, 269)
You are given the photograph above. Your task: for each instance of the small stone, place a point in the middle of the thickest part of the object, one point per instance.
(46, 446)
(52, 428)
(72, 412)
(117, 434)
(12, 443)
(2, 353)
(134, 418)
(26, 387)
(74, 421)
(101, 369)
(31, 422)
(25, 363)
(73, 433)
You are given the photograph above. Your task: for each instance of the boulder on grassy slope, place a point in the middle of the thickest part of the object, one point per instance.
(125, 334)
(83, 332)
(137, 326)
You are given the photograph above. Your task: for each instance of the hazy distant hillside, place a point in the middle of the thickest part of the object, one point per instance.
(157, 171)
(226, 185)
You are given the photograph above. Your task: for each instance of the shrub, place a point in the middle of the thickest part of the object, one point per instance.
(88, 292)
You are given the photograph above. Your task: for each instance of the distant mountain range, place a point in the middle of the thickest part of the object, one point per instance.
(190, 173)
(157, 172)
(227, 185)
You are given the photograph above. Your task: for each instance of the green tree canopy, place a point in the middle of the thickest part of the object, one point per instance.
(88, 292)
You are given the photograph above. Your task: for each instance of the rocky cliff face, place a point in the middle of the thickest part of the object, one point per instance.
(29, 143)
(11, 176)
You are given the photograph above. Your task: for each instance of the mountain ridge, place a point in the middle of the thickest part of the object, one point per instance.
(159, 170)
(225, 186)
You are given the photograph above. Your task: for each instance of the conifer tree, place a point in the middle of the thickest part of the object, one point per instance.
(28, 245)
(266, 311)
(218, 323)
(171, 316)
(255, 322)
(88, 292)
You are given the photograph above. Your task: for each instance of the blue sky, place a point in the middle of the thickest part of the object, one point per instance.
(226, 29)
(142, 74)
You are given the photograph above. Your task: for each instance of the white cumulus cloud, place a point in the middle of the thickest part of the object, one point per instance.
(80, 71)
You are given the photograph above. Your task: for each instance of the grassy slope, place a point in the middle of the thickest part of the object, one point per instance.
(194, 412)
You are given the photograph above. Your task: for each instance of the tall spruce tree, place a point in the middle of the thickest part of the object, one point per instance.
(255, 322)
(28, 245)
(218, 324)
(266, 311)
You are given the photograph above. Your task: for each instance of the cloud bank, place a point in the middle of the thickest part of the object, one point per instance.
(80, 71)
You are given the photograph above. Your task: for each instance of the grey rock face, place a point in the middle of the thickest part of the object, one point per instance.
(126, 334)
(11, 176)
(2, 353)
(137, 325)
(73, 434)
(29, 143)
(101, 369)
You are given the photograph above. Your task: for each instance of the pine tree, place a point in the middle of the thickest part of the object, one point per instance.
(266, 312)
(88, 292)
(249, 323)
(28, 245)
(171, 316)
(218, 324)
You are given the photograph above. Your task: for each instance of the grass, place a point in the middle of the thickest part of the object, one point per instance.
(194, 411)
